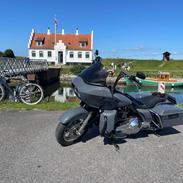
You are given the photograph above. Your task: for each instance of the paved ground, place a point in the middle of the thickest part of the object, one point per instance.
(29, 153)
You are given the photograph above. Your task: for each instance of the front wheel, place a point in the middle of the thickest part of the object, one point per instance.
(2, 93)
(72, 132)
(31, 94)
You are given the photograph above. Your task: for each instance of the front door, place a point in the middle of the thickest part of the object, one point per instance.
(60, 57)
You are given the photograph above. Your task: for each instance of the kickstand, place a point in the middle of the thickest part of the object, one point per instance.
(116, 146)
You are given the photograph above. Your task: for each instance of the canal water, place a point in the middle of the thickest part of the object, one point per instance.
(63, 92)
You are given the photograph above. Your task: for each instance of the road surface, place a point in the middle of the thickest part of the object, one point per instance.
(29, 153)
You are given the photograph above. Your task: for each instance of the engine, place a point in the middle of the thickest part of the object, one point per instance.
(120, 124)
(131, 126)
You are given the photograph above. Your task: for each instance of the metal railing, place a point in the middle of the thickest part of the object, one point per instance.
(14, 67)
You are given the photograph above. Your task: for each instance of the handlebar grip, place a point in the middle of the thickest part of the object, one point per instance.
(133, 78)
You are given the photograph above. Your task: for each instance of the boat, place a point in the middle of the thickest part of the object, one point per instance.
(154, 82)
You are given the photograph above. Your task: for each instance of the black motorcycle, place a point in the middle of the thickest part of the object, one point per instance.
(117, 114)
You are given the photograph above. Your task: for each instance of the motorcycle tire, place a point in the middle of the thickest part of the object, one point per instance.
(61, 131)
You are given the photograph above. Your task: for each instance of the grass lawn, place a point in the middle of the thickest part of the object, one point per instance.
(40, 106)
(49, 106)
(180, 105)
(149, 67)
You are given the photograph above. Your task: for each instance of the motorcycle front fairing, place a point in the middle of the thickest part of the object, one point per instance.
(90, 86)
(95, 74)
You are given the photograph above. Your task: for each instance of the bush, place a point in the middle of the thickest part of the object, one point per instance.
(9, 53)
(1, 54)
(76, 69)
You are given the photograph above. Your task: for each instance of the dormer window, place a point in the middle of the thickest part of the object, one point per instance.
(39, 41)
(83, 44)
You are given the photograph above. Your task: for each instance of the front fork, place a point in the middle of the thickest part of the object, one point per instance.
(85, 123)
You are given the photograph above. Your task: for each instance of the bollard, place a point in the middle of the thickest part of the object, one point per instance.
(161, 87)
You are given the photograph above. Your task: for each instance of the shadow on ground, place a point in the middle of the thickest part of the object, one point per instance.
(91, 134)
(94, 132)
(162, 132)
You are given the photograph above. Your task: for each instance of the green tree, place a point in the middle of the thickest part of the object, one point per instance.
(1, 54)
(9, 53)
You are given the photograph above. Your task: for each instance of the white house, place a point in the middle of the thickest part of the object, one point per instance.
(68, 48)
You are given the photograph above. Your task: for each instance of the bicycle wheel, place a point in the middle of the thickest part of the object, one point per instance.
(2, 92)
(31, 94)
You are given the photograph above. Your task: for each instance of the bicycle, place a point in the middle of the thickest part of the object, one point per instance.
(26, 92)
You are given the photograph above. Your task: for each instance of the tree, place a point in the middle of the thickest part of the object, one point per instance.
(9, 53)
(1, 54)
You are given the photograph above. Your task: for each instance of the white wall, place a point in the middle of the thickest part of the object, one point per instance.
(75, 59)
(45, 55)
(66, 55)
(60, 46)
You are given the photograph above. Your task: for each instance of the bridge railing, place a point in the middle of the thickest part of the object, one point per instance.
(14, 67)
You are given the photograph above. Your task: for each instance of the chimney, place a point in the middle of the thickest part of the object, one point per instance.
(48, 32)
(33, 31)
(63, 32)
(77, 31)
(92, 39)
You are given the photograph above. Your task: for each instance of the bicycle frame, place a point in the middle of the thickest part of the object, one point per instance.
(11, 92)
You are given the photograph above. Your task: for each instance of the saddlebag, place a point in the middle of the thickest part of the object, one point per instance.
(107, 122)
(170, 115)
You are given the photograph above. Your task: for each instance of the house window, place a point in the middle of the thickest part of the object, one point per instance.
(71, 54)
(87, 55)
(40, 53)
(49, 54)
(39, 43)
(33, 54)
(79, 54)
(83, 44)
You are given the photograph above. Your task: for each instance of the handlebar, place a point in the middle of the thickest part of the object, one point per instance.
(125, 74)
(133, 78)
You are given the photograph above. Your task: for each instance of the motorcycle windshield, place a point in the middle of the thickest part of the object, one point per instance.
(95, 74)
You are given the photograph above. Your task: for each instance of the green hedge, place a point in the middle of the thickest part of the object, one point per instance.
(76, 69)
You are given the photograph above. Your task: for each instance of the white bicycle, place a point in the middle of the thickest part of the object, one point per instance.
(28, 93)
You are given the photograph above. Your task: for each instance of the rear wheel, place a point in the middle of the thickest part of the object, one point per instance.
(72, 132)
(31, 94)
(2, 93)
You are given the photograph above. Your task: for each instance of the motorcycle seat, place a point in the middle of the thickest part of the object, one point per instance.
(149, 101)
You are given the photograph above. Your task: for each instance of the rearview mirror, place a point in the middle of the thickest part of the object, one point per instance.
(140, 75)
(96, 52)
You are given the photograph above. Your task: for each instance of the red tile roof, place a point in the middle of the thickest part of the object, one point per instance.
(72, 41)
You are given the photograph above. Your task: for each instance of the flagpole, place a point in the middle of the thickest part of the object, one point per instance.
(55, 22)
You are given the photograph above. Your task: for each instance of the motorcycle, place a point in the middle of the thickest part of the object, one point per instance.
(116, 114)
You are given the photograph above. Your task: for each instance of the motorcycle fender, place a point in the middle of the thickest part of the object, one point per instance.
(72, 114)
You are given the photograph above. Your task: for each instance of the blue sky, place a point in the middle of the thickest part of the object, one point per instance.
(122, 28)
